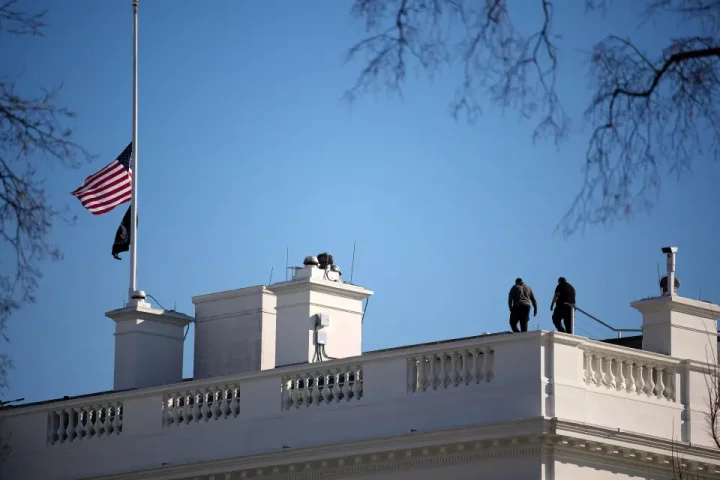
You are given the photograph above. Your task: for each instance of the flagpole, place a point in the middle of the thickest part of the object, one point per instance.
(135, 295)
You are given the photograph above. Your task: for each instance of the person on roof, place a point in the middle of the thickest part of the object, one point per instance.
(520, 298)
(562, 306)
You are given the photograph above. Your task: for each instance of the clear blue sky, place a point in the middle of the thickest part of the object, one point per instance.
(246, 148)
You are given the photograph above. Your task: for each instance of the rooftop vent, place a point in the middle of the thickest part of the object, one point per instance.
(325, 259)
(310, 260)
(670, 278)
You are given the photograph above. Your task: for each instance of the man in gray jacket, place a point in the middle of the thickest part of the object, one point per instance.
(519, 300)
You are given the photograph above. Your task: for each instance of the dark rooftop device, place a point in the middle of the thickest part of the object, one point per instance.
(325, 260)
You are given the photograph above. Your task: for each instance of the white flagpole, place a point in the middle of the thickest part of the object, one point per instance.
(134, 294)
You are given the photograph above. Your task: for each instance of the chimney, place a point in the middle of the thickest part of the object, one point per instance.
(234, 332)
(148, 345)
(319, 317)
(677, 326)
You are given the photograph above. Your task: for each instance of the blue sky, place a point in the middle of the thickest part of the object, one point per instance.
(245, 149)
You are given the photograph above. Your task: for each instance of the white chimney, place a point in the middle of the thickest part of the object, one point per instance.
(318, 315)
(148, 346)
(677, 326)
(234, 332)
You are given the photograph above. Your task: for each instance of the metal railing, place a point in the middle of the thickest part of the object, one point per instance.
(619, 331)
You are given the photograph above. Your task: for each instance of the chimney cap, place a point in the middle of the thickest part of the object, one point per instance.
(310, 260)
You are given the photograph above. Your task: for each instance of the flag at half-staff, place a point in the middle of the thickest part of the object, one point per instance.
(122, 236)
(109, 187)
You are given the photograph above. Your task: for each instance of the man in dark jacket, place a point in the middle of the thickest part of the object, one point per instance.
(562, 306)
(519, 300)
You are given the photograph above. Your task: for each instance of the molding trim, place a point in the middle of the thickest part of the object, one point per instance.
(635, 453)
(678, 304)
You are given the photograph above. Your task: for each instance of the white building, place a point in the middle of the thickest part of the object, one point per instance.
(534, 405)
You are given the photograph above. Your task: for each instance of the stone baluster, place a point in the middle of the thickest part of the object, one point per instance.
(336, 387)
(465, 372)
(217, 401)
(98, 426)
(60, 432)
(670, 384)
(650, 383)
(586, 372)
(118, 420)
(660, 385)
(227, 394)
(316, 389)
(306, 390)
(459, 368)
(285, 395)
(326, 390)
(205, 407)
(621, 382)
(235, 403)
(443, 378)
(79, 425)
(70, 427)
(421, 373)
(432, 376)
(639, 379)
(197, 407)
(631, 376)
(357, 384)
(107, 430)
(177, 412)
(600, 372)
(482, 362)
(187, 408)
(474, 371)
(346, 386)
(297, 392)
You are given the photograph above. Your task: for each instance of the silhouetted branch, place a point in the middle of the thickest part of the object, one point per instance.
(649, 111)
(31, 131)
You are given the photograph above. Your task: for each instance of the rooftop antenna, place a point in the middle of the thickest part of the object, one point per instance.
(271, 272)
(700, 295)
(352, 265)
(287, 260)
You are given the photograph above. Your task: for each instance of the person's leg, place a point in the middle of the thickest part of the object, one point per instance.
(525, 318)
(514, 319)
(567, 317)
(557, 319)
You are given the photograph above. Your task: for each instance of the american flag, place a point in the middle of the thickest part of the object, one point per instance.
(108, 188)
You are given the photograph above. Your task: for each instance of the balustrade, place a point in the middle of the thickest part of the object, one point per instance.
(322, 386)
(624, 373)
(210, 403)
(442, 370)
(71, 424)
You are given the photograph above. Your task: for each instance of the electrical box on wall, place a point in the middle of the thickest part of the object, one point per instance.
(322, 320)
(321, 338)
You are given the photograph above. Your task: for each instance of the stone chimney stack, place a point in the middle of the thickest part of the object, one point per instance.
(319, 317)
(148, 345)
(234, 332)
(677, 326)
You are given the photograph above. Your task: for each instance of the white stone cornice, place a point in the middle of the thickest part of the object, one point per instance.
(147, 313)
(324, 286)
(238, 292)
(636, 453)
(679, 304)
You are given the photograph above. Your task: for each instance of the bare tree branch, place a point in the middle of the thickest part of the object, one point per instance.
(32, 133)
(651, 113)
